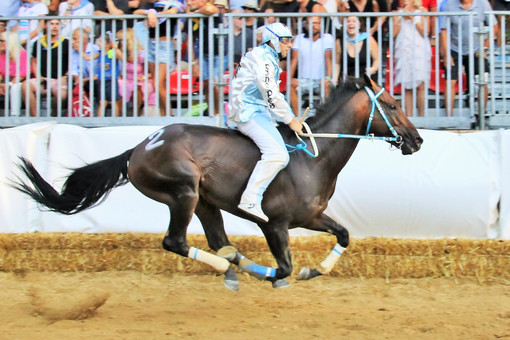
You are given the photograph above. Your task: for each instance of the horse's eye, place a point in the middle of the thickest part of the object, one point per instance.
(393, 106)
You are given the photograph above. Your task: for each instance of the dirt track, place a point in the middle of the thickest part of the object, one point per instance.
(131, 305)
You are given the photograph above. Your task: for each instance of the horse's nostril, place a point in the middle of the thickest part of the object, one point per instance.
(419, 141)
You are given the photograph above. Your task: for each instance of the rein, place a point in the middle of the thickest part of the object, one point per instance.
(375, 104)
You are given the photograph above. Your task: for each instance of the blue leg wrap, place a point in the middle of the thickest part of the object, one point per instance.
(260, 272)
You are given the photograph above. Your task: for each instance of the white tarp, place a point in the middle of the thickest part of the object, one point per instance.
(450, 188)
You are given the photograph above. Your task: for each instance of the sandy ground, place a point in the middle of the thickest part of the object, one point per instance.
(132, 305)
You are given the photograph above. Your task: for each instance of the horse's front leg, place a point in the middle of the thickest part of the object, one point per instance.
(326, 224)
(277, 237)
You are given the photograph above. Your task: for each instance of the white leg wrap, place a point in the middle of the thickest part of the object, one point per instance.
(327, 265)
(218, 263)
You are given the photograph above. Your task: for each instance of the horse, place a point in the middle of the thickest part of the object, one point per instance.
(201, 170)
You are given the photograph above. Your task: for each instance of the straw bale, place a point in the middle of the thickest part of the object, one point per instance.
(369, 257)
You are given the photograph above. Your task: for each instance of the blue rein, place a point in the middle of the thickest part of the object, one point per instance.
(375, 104)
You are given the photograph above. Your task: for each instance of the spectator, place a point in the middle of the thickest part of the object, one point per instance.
(51, 50)
(500, 5)
(84, 57)
(159, 48)
(284, 6)
(355, 53)
(13, 70)
(250, 7)
(106, 85)
(459, 46)
(206, 56)
(109, 7)
(312, 57)
(412, 55)
(430, 6)
(9, 8)
(132, 76)
(3, 26)
(367, 6)
(29, 29)
(310, 6)
(267, 9)
(53, 5)
(71, 8)
(334, 7)
(243, 39)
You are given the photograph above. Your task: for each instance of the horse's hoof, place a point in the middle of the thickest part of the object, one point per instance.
(306, 273)
(231, 281)
(227, 252)
(281, 283)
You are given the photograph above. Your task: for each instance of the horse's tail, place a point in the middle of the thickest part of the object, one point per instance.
(84, 188)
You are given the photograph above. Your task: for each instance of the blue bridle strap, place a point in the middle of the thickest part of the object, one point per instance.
(375, 104)
(300, 146)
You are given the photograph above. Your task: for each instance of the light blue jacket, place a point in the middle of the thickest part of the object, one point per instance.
(255, 87)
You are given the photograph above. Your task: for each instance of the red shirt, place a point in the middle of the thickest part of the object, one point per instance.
(428, 4)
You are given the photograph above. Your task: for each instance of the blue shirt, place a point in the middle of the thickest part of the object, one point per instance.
(460, 44)
(105, 62)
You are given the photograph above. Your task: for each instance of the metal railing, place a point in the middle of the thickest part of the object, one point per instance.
(186, 97)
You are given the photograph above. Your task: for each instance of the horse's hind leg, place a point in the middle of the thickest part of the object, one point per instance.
(182, 205)
(326, 224)
(214, 230)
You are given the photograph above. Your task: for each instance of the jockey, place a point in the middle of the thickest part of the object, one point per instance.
(255, 96)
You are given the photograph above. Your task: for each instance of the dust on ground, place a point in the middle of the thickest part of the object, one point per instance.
(133, 305)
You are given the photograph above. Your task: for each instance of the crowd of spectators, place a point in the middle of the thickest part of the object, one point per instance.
(111, 60)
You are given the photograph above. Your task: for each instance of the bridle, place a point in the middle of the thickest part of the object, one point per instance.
(375, 104)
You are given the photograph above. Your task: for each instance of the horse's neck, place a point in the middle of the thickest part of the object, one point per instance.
(336, 152)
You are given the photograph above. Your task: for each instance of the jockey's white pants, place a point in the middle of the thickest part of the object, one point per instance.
(274, 158)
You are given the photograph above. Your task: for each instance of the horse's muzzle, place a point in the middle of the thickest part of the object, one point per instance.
(411, 145)
(418, 141)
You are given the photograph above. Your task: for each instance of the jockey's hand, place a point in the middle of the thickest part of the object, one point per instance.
(295, 125)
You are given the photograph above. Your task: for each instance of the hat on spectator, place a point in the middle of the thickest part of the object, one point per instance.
(251, 4)
(223, 3)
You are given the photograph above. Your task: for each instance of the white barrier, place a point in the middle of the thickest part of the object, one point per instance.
(451, 188)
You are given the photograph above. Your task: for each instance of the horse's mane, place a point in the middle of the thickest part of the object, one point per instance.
(333, 104)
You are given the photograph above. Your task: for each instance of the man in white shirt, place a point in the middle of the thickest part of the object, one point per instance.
(75, 8)
(312, 57)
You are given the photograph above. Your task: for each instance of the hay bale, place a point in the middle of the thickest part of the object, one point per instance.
(369, 257)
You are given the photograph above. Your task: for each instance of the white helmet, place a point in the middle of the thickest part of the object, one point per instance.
(274, 32)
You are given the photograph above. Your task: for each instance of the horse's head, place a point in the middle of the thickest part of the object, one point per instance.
(385, 118)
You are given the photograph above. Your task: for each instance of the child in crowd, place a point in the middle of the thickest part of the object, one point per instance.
(132, 75)
(106, 85)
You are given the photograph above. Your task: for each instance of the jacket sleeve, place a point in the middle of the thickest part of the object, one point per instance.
(268, 85)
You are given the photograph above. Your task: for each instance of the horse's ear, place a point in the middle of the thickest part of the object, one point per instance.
(368, 80)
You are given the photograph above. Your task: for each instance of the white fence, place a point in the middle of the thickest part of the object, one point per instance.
(457, 186)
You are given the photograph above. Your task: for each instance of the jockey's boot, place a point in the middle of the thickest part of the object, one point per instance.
(254, 210)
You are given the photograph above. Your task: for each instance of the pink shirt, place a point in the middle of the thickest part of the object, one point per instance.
(13, 65)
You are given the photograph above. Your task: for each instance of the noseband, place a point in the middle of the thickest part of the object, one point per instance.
(375, 104)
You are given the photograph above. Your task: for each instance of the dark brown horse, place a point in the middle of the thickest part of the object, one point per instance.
(201, 170)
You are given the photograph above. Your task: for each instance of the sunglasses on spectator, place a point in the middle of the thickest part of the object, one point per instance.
(283, 40)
